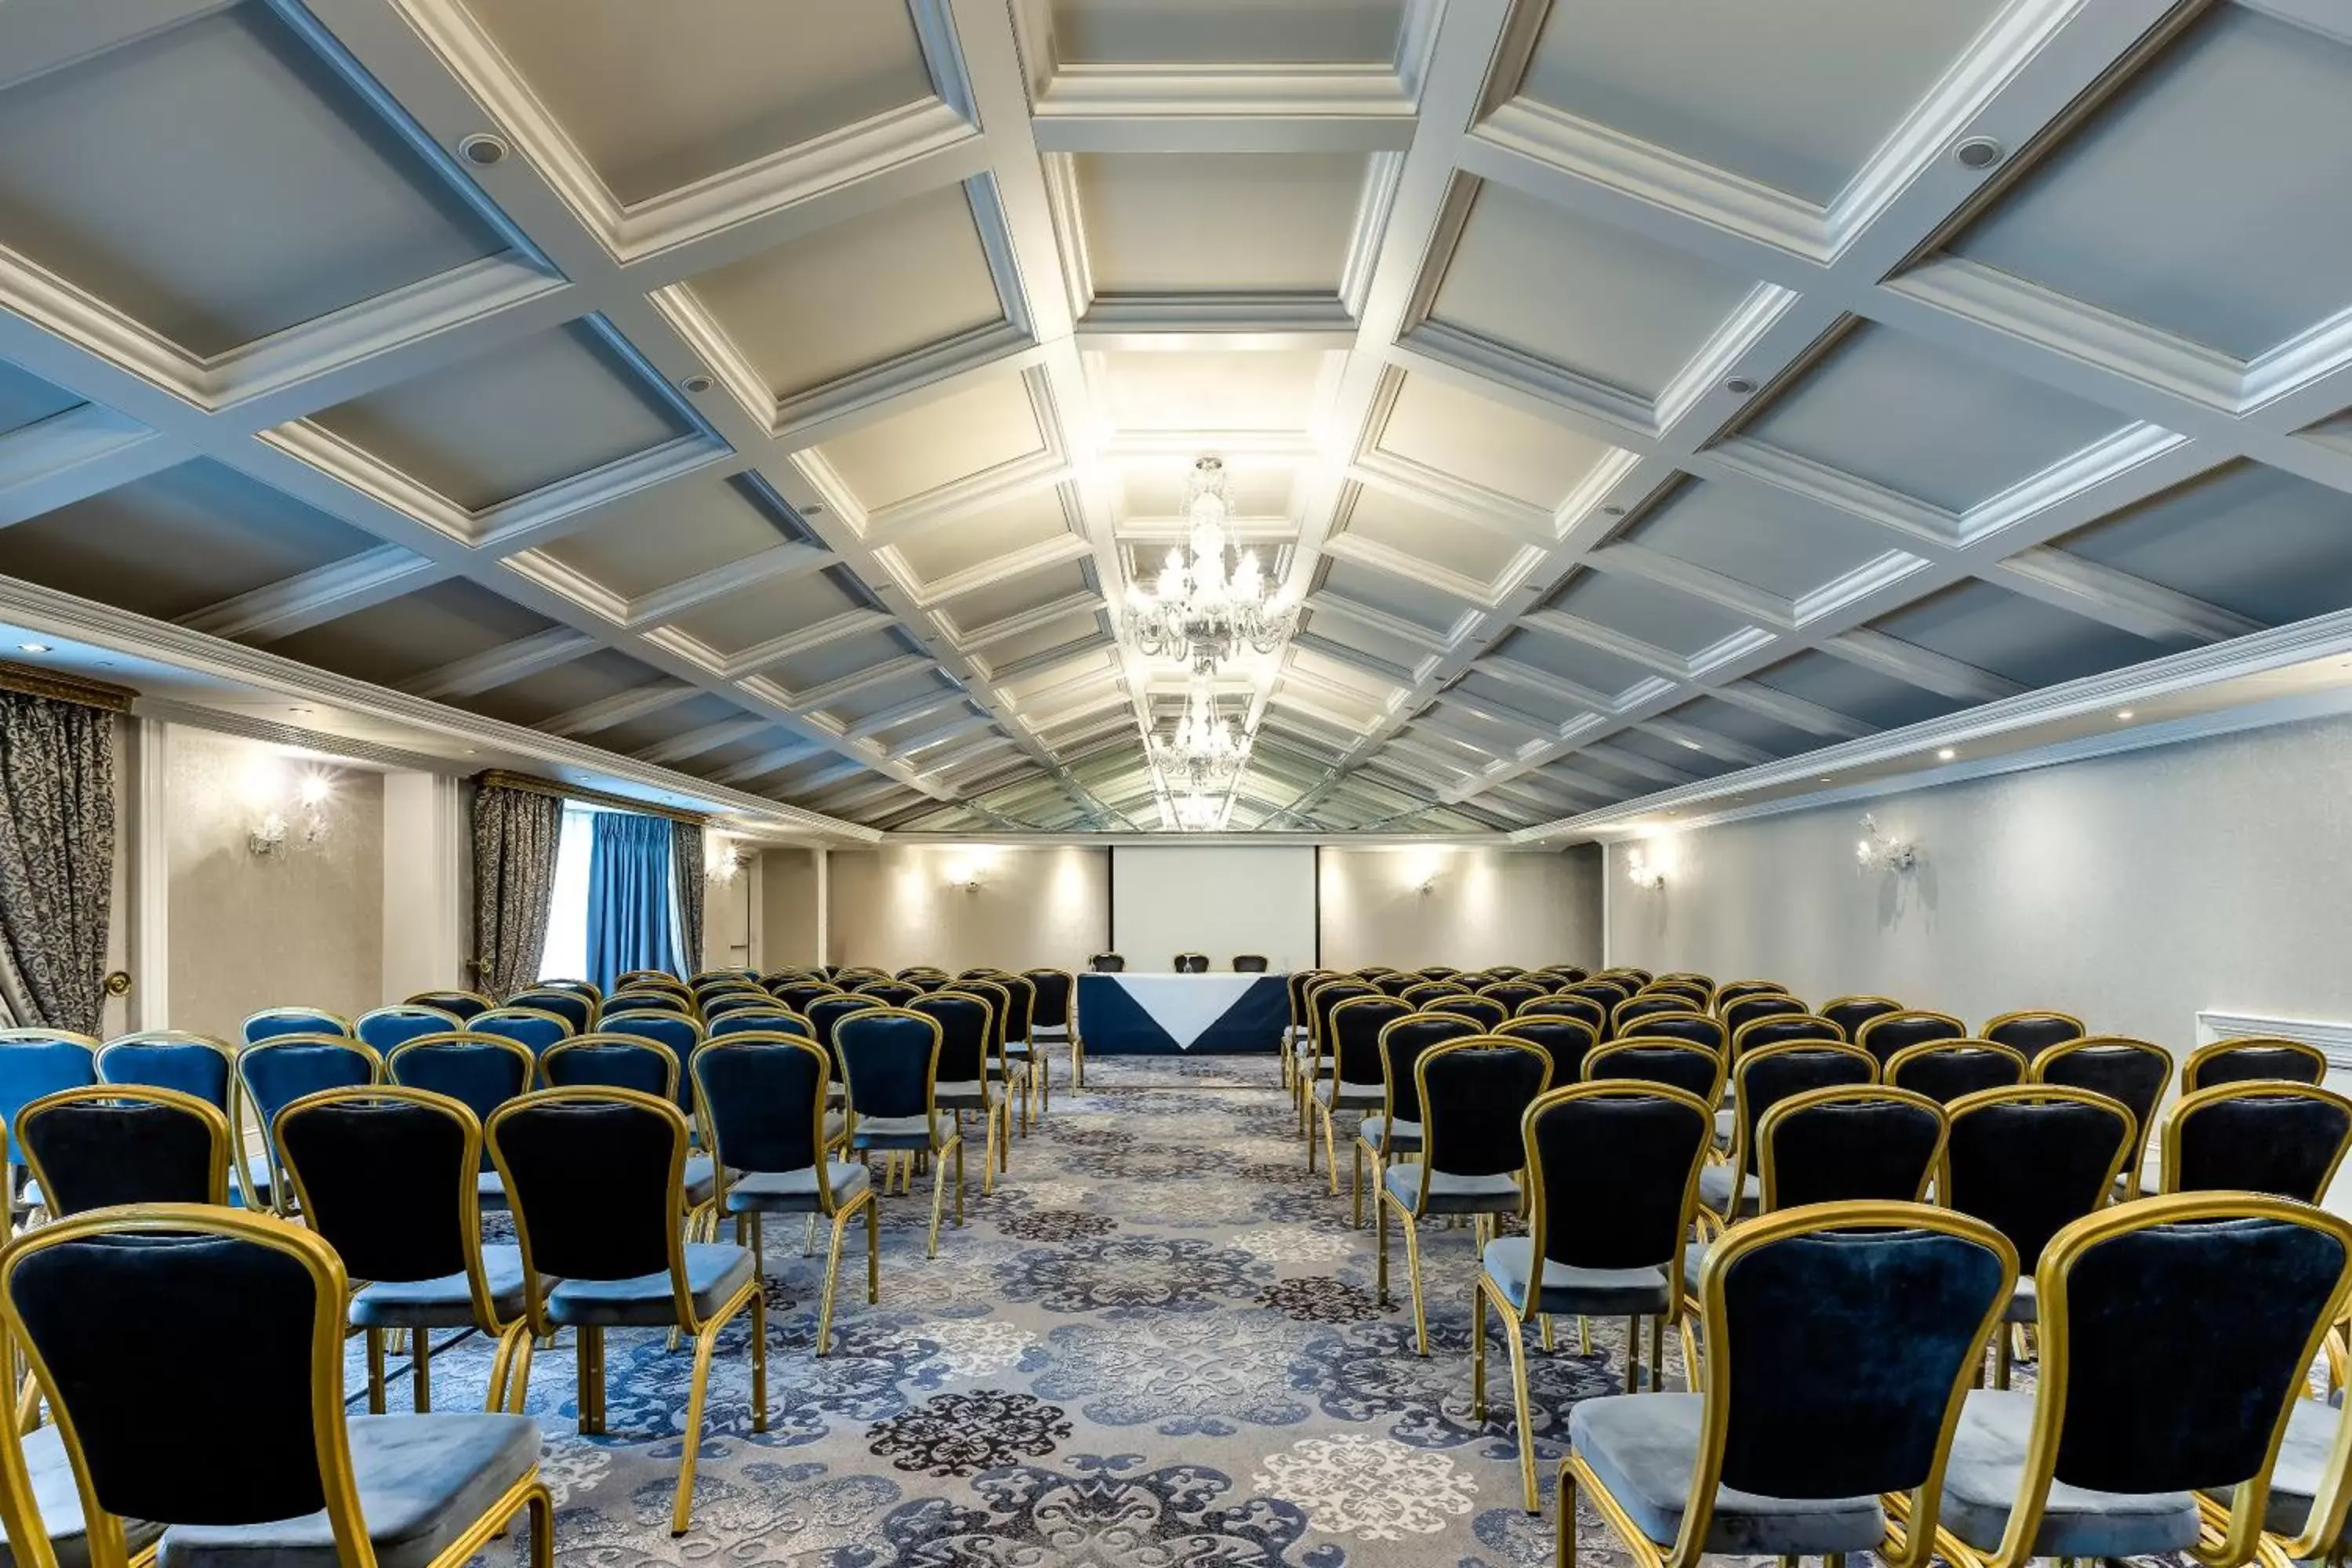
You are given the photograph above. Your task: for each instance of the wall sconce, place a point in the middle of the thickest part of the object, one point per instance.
(1879, 850)
(1643, 873)
(723, 859)
(965, 881)
(276, 829)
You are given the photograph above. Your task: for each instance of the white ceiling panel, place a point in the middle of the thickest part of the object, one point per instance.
(1173, 31)
(1457, 432)
(1161, 223)
(938, 442)
(1660, 617)
(666, 535)
(1209, 391)
(2013, 636)
(1767, 539)
(26, 399)
(763, 611)
(982, 536)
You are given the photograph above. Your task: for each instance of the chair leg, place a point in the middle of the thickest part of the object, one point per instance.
(1691, 1363)
(833, 1272)
(1564, 1552)
(808, 1235)
(375, 1371)
(583, 1355)
(1412, 1277)
(420, 1369)
(501, 1367)
(1583, 1334)
(1511, 1338)
(518, 1375)
(1657, 1356)
(2000, 1357)
(1478, 1349)
(1330, 1153)
(1356, 1187)
(938, 1199)
(959, 1181)
(1543, 1322)
(1380, 1229)
(1633, 1354)
(873, 1254)
(759, 1356)
(681, 1510)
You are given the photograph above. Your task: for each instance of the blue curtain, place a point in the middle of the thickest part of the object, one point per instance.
(628, 896)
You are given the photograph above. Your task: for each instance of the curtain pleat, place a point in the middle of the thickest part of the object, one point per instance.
(516, 833)
(628, 896)
(57, 860)
(687, 882)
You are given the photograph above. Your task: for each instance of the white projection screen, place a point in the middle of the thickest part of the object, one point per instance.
(1214, 899)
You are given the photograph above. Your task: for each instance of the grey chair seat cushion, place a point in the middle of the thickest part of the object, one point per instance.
(422, 1480)
(1643, 1446)
(447, 1302)
(1352, 1095)
(2302, 1466)
(1404, 1137)
(699, 1184)
(967, 1094)
(59, 1502)
(900, 1132)
(1715, 1189)
(2023, 1305)
(1017, 1050)
(1726, 1121)
(1596, 1292)
(1450, 1194)
(714, 1271)
(1981, 1482)
(795, 1192)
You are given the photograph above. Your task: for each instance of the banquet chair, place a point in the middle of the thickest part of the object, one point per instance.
(1437, 972)
(461, 1005)
(480, 1072)
(923, 972)
(1612, 1174)
(596, 1176)
(1851, 1013)
(1563, 973)
(982, 972)
(2033, 1030)
(1192, 963)
(1106, 963)
(1583, 1008)
(721, 1004)
(1394, 1130)
(1021, 1055)
(2283, 1139)
(1389, 983)
(1356, 1082)
(673, 1032)
(390, 1177)
(1944, 1070)
(824, 1014)
(2133, 1071)
(1699, 996)
(1849, 1144)
(889, 992)
(1890, 1032)
(1733, 990)
(1802, 1443)
(1758, 1004)
(271, 1022)
(891, 1059)
(1677, 1064)
(1473, 1094)
(1298, 1040)
(251, 1463)
(1761, 1079)
(32, 1063)
(797, 995)
(1568, 1041)
(2252, 1059)
(612, 1061)
(1485, 1011)
(1003, 1066)
(1249, 964)
(1513, 994)
(200, 1064)
(1423, 992)
(2154, 1385)
(104, 1144)
(384, 1028)
(1780, 1028)
(530, 1027)
(970, 1071)
(1055, 1021)
(1696, 1027)
(763, 1101)
(1320, 1000)
(649, 999)
(576, 1009)
(772, 1019)
(271, 1075)
(2029, 1161)
(659, 978)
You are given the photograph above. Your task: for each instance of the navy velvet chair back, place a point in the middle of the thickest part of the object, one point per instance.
(1402, 1042)
(824, 1016)
(526, 1027)
(612, 1061)
(1106, 963)
(1890, 1032)
(1421, 993)
(1330, 995)
(1513, 995)
(166, 1058)
(1765, 1078)
(272, 1022)
(2133, 1071)
(1697, 1028)
(1474, 1095)
(2283, 1139)
(2253, 1060)
(1355, 1035)
(1021, 1002)
(681, 1033)
(94, 1147)
(1607, 993)
(1780, 1029)
(386, 1174)
(1694, 1069)
(2035, 1031)
(388, 1027)
(2188, 1321)
(763, 1102)
(277, 1072)
(648, 999)
(1296, 984)
(1393, 984)
(1849, 1144)
(999, 998)
(234, 1316)
(1613, 1168)
(1625, 1017)
(574, 1007)
(722, 1004)
(1944, 1070)
(459, 1005)
(1733, 990)
(1583, 1007)
(1192, 963)
(1249, 964)
(768, 1020)
(965, 1034)
(595, 1179)
(1484, 1011)
(2031, 1160)
(1845, 1324)
(1051, 1008)
(1566, 1040)
(1851, 1013)
(889, 1061)
(798, 993)
(890, 993)
(1760, 1005)
(480, 1072)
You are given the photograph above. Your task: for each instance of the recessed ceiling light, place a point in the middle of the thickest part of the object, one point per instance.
(1689, 745)
(482, 150)
(2123, 712)
(300, 712)
(1740, 386)
(1978, 152)
(1823, 779)
(1946, 754)
(32, 647)
(1613, 510)
(697, 385)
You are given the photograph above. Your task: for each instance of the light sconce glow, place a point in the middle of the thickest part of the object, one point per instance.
(288, 810)
(1878, 849)
(1946, 754)
(723, 859)
(2123, 713)
(1645, 872)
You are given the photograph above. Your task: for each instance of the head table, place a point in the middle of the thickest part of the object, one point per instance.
(1132, 1013)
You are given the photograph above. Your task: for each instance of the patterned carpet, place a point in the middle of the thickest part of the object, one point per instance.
(1156, 1346)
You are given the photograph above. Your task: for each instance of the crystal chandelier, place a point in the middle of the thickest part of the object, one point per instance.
(1205, 608)
(1195, 811)
(1204, 750)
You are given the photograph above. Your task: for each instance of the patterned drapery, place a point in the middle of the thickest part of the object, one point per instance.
(516, 833)
(688, 883)
(57, 860)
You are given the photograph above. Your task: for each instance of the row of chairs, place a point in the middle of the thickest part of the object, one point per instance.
(1186, 962)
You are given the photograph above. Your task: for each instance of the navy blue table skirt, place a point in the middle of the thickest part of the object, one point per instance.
(1197, 1015)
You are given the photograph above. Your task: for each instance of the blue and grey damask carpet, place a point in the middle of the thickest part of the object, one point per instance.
(1156, 1346)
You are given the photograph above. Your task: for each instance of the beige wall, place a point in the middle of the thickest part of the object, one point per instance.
(2134, 891)
(1423, 904)
(305, 925)
(1030, 907)
(788, 908)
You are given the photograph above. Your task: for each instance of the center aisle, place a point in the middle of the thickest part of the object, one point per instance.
(1157, 1341)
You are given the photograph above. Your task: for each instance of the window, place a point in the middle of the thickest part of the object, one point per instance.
(565, 954)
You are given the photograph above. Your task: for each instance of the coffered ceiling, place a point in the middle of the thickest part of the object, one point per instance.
(1632, 395)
